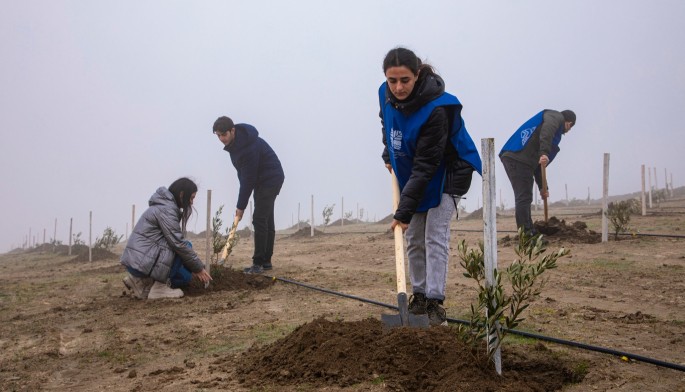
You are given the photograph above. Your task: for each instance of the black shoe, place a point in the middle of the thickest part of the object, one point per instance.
(436, 313)
(417, 303)
(267, 267)
(254, 269)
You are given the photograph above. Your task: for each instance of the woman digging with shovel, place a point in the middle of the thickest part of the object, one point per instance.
(433, 157)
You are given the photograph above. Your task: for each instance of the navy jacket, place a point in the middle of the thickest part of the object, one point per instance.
(255, 161)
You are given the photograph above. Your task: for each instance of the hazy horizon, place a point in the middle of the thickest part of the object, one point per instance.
(103, 102)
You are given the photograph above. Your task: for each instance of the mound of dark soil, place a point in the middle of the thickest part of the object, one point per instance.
(329, 353)
(576, 232)
(345, 222)
(555, 230)
(477, 214)
(388, 219)
(97, 254)
(244, 233)
(228, 279)
(80, 252)
(304, 233)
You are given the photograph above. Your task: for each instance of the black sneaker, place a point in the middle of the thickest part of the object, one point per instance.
(436, 313)
(267, 267)
(254, 269)
(417, 303)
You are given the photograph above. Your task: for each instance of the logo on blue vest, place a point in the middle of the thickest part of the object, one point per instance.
(396, 136)
(525, 135)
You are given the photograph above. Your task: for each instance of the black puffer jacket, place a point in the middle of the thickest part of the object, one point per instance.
(432, 146)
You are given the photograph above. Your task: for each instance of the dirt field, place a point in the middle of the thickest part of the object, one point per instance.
(68, 324)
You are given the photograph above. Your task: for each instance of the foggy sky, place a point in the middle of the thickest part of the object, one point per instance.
(103, 102)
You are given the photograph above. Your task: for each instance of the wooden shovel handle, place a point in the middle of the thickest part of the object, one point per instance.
(231, 234)
(543, 169)
(399, 239)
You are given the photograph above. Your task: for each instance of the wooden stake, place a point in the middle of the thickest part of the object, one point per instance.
(208, 234)
(490, 226)
(643, 197)
(605, 200)
(649, 177)
(71, 225)
(90, 236)
(312, 223)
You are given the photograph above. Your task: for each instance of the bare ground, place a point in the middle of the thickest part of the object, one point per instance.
(68, 324)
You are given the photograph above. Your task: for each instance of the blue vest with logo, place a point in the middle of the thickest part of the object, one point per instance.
(402, 133)
(520, 138)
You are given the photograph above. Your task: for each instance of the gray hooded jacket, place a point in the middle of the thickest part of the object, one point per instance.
(157, 238)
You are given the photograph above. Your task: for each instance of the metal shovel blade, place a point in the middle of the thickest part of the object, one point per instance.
(404, 318)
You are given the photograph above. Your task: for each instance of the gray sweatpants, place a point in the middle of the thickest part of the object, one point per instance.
(428, 247)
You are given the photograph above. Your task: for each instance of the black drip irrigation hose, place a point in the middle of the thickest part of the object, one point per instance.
(623, 234)
(622, 354)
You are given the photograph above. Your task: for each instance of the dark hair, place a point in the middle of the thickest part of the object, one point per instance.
(399, 57)
(569, 116)
(222, 124)
(183, 189)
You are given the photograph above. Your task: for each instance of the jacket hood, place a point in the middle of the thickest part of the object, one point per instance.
(428, 87)
(245, 134)
(162, 197)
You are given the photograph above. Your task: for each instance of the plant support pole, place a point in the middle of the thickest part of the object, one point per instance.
(71, 224)
(649, 178)
(490, 227)
(207, 232)
(643, 198)
(312, 212)
(605, 200)
(90, 236)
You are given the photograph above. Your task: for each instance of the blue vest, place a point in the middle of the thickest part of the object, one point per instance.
(402, 133)
(520, 138)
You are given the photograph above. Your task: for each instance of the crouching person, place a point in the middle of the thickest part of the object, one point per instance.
(158, 259)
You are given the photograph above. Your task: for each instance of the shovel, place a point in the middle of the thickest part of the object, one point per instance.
(544, 187)
(231, 234)
(405, 318)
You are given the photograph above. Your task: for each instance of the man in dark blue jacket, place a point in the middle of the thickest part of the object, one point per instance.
(259, 170)
(534, 144)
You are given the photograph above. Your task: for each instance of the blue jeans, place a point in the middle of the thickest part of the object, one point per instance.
(179, 275)
(428, 246)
